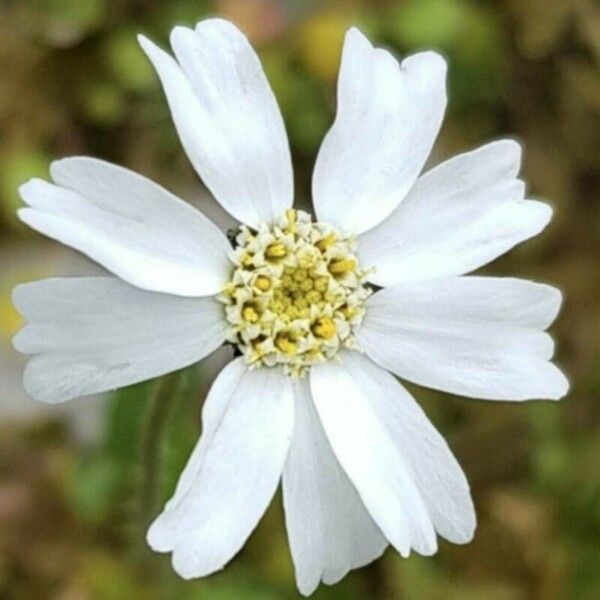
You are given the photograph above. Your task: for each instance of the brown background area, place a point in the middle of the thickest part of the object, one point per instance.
(73, 81)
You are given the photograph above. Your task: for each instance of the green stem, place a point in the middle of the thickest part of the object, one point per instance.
(164, 395)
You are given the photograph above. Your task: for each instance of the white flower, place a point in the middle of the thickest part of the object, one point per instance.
(312, 400)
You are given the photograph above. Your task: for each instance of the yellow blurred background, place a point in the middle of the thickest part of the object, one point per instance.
(73, 81)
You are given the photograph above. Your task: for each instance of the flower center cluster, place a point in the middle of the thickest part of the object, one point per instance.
(296, 294)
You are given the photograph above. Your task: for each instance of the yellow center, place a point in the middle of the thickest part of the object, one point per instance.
(296, 294)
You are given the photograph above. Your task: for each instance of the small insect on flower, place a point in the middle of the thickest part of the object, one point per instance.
(325, 312)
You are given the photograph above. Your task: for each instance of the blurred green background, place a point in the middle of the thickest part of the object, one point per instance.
(73, 486)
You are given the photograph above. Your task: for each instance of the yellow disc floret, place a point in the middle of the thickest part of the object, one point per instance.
(296, 295)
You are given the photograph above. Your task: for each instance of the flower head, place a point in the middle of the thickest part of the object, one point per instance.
(312, 401)
(296, 295)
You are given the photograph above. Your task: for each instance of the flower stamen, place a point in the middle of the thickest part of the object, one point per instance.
(296, 295)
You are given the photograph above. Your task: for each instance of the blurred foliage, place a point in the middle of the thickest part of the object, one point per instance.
(74, 81)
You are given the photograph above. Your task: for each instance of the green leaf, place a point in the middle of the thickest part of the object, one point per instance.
(125, 420)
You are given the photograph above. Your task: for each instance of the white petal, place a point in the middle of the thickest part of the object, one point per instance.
(164, 530)
(130, 225)
(248, 421)
(388, 117)
(437, 474)
(329, 529)
(227, 119)
(95, 334)
(457, 217)
(370, 458)
(476, 336)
